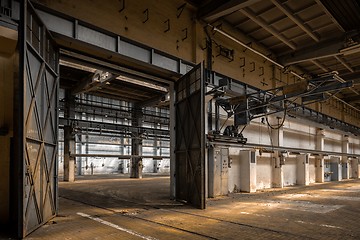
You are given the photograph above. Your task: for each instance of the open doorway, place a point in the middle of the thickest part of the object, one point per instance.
(113, 128)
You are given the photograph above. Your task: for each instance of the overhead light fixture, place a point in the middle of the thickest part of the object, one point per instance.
(350, 50)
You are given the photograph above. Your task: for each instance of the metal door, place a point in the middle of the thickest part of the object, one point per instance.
(190, 138)
(39, 61)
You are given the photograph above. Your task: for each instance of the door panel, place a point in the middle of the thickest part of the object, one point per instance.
(40, 124)
(190, 138)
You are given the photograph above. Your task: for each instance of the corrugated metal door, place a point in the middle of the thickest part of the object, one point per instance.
(40, 98)
(190, 138)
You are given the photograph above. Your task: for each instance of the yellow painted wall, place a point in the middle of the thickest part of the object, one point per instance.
(6, 119)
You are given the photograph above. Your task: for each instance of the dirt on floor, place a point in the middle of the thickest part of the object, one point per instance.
(116, 207)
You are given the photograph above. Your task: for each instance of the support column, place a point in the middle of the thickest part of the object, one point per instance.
(278, 174)
(136, 144)
(344, 159)
(248, 171)
(319, 166)
(172, 141)
(69, 139)
(302, 170)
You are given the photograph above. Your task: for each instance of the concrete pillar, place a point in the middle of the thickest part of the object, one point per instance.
(355, 168)
(302, 170)
(248, 171)
(277, 136)
(319, 171)
(344, 159)
(69, 148)
(69, 139)
(136, 144)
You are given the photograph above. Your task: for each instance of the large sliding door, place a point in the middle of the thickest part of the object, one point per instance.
(190, 138)
(38, 127)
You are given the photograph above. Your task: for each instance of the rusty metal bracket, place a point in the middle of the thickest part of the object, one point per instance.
(185, 31)
(262, 72)
(146, 13)
(167, 23)
(253, 66)
(122, 3)
(180, 10)
(242, 59)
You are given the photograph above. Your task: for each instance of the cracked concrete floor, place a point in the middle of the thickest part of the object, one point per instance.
(115, 207)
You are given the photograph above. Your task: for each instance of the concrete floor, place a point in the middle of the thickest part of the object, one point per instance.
(114, 207)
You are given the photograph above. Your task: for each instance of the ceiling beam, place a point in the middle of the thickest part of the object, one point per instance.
(344, 63)
(250, 14)
(319, 65)
(321, 50)
(216, 9)
(321, 5)
(295, 19)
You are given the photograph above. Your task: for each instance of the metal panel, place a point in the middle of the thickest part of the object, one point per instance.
(40, 125)
(96, 38)
(190, 138)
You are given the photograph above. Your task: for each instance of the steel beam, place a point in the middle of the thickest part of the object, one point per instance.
(329, 48)
(110, 126)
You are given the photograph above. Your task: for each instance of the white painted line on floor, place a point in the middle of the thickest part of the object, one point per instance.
(255, 214)
(116, 226)
(344, 198)
(300, 206)
(341, 190)
(321, 225)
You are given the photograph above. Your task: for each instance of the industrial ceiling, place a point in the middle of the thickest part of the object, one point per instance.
(315, 36)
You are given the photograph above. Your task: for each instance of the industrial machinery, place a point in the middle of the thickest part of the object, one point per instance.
(286, 99)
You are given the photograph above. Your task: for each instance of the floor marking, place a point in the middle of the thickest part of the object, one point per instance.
(341, 190)
(300, 206)
(321, 225)
(255, 214)
(345, 198)
(116, 226)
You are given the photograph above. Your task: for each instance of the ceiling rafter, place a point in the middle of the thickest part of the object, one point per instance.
(329, 15)
(319, 65)
(295, 19)
(248, 13)
(344, 63)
